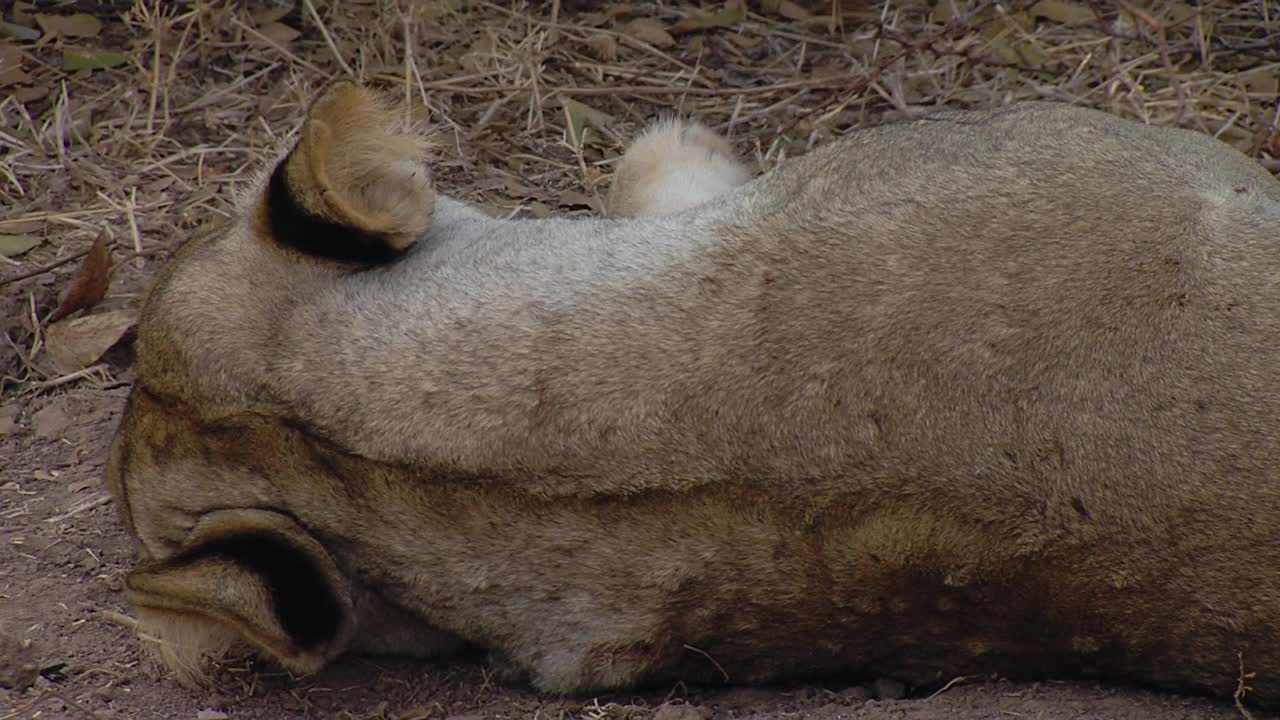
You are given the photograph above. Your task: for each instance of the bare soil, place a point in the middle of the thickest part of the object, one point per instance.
(177, 103)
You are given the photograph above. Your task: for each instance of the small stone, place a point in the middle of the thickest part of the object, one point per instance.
(8, 418)
(889, 689)
(681, 711)
(18, 667)
(211, 715)
(856, 694)
(50, 421)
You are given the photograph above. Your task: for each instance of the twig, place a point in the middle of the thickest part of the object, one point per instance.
(31, 705)
(116, 618)
(952, 683)
(45, 695)
(707, 655)
(46, 268)
(328, 39)
(152, 252)
(825, 83)
(279, 48)
(1242, 687)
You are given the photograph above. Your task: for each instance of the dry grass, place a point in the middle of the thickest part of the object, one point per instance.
(149, 150)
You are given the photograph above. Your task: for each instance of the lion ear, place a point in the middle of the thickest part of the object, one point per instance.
(252, 575)
(357, 186)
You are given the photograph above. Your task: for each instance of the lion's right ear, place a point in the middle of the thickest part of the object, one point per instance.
(357, 186)
(245, 574)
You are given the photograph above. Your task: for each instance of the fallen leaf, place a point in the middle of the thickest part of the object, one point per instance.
(575, 199)
(50, 421)
(479, 52)
(279, 33)
(604, 46)
(22, 13)
(13, 245)
(581, 116)
(77, 343)
(269, 15)
(91, 282)
(649, 30)
(30, 94)
(786, 9)
(19, 32)
(8, 418)
(85, 59)
(728, 17)
(1263, 81)
(1061, 11)
(1179, 11)
(11, 72)
(77, 25)
(438, 9)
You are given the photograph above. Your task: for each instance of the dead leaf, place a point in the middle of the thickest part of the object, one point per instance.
(479, 52)
(438, 9)
(279, 33)
(14, 245)
(580, 117)
(79, 25)
(19, 32)
(1263, 81)
(649, 30)
(604, 46)
(25, 95)
(1062, 11)
(786, 9)
(1179, 11)
(88, 59)
(77, 343)
(266, 16)
(575, 199)
(50, 421)
(11, 72)
(731, 15)
(22, 13)
(8, 418)
(91, 282)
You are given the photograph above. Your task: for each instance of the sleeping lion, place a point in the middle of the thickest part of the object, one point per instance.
(983, 392)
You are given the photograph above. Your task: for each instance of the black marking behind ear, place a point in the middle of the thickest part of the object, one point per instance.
(293, 226)
(304, 602)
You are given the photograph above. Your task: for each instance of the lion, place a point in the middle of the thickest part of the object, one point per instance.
(981, 392)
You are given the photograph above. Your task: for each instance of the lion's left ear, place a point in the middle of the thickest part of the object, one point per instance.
(257, 573)
(357, 186)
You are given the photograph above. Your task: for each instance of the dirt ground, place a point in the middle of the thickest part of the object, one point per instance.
(133, 123)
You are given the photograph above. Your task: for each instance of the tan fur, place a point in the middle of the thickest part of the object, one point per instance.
(185, 644)
(356, 166)
(989, 392)
(674, 165)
